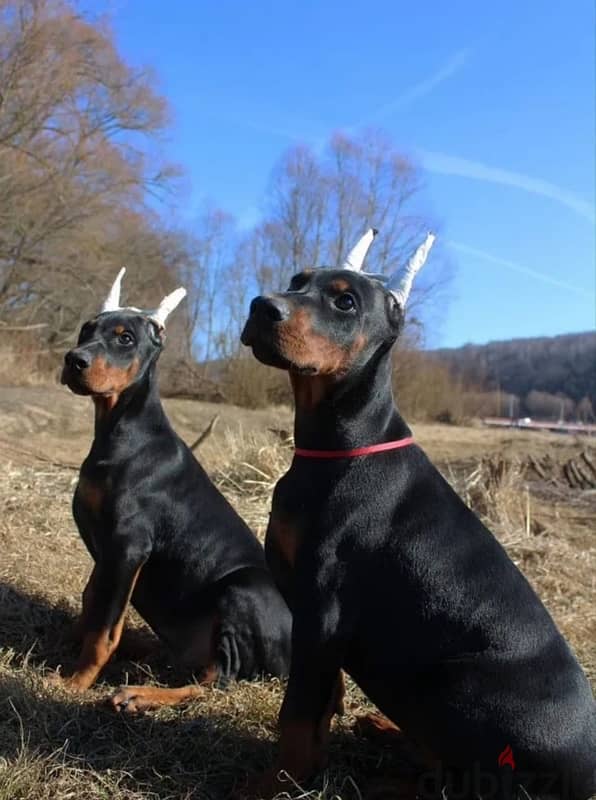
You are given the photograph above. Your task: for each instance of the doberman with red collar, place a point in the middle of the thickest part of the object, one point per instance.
(392, 578)
(161, 535)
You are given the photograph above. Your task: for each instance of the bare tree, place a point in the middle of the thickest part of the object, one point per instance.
(319, 205)
(74, 166)
(239, 287)
(205, 278)
(291, 235)
(79, 158)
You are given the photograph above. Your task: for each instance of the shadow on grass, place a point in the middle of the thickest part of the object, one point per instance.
(200, 751)
(176, 756)
(197, 752)
(41, 633)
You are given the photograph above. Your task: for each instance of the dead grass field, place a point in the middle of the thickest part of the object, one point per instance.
(56, 747)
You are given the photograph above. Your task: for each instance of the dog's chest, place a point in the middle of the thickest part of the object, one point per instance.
(91, 500)
(284, 536)
(91, 495)
(300, 514)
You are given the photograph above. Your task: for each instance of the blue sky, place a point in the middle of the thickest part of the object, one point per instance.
(495, 101)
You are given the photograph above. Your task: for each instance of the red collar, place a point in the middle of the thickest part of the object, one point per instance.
(358, 451)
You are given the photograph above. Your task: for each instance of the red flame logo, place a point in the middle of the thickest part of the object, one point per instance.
(506, 758)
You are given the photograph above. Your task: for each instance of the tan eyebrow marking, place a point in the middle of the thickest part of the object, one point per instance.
(339, 285)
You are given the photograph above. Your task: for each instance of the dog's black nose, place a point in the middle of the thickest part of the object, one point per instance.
(273, 308)
(77, 359)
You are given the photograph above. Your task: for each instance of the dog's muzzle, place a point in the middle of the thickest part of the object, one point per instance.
(75, 363)
(265, 311)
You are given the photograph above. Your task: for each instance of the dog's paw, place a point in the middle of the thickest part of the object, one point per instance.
(376, 726)
(128, 700)
(73, 683)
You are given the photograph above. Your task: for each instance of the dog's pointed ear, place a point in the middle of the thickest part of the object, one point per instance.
(167, 305)
(400, 283)
(356, 256)
(112, 301)
(157, 333)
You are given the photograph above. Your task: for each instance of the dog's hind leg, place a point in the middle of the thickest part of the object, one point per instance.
(132, 699)
(378, 728)
(382, 731)
(203, 651)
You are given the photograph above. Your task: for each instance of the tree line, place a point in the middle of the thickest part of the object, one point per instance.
(85, 188)
(543, 377)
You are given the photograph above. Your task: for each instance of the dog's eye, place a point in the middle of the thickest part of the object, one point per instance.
(345, 302)
(126, 339)
(299, 282)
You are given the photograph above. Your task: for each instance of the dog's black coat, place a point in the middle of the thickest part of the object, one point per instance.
(204, 587)
(395, 579)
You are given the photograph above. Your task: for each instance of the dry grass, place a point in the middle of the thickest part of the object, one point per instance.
(24, 361)
(255, 462)
(54, 746)
(548, 533)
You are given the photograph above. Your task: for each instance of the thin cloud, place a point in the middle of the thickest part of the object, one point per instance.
(289, 131)
(512, 265)
(445, 164)
(421, 89)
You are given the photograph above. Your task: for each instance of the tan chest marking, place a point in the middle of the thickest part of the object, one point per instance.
(91, 494)
(285, 536)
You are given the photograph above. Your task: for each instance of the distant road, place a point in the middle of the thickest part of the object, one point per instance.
(536, 425)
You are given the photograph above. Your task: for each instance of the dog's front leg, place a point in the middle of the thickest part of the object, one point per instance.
(312, 698)
(78, 628)
(314, 693)
(114, 579)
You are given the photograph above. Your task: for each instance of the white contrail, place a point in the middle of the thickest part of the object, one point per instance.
(424, 87)
(445, 164)
(294, 133)
(503, 262)
(420, 89)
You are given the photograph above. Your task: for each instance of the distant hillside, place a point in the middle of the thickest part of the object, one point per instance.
(558, 365)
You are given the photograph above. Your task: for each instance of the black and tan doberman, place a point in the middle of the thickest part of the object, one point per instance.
(160, 533)
(392, 578)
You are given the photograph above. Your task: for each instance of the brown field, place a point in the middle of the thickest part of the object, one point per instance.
(56, 746)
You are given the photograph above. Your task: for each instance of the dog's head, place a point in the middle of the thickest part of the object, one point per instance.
(117, 347)
(331, 321)
(114, 350)
(326, 323)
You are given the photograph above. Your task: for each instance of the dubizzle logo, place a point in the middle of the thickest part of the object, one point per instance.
(506, 780)
(506, 758)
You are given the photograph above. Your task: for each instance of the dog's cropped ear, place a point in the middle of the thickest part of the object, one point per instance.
(400, 283)
(355, 258)
(157, 319)
(112, 301)
(167, 305)
(157, 334)
(395, 312)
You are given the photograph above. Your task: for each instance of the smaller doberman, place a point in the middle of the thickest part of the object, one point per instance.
(391, 577)
(160, 533)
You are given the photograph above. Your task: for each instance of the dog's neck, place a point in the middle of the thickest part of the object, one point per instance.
(119, 417)
(351, 412)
